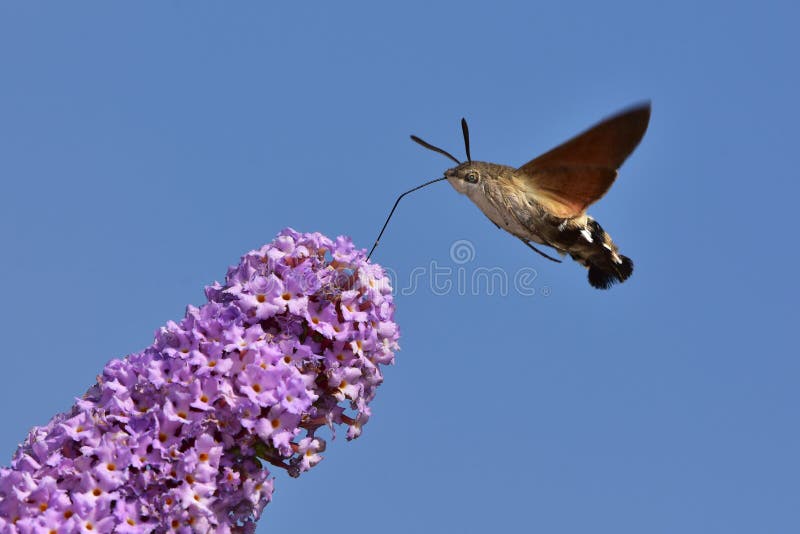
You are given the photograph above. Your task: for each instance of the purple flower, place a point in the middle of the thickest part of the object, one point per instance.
(182, 435)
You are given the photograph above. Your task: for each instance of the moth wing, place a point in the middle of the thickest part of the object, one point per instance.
(575, 174)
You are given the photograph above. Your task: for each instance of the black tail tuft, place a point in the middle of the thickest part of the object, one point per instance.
(609, 273)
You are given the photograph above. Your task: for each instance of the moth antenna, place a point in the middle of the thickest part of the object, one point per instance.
(396, 202)
(465, 131)
(434, 148)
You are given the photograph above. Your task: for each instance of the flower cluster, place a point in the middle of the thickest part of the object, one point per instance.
(178, 437)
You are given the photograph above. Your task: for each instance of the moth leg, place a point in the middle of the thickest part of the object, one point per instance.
(494, 223)
(527, 243)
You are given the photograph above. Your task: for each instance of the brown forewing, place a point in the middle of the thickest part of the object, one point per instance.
(570, 177)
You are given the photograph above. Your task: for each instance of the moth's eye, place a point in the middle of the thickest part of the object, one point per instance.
(471, 177)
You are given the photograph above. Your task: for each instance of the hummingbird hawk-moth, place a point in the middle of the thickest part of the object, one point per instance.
(544, 201)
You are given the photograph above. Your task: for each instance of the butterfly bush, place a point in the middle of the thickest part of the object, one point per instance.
(181, 436)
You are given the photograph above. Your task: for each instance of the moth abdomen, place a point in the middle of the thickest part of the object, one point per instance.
(599, 253)
(605, 274)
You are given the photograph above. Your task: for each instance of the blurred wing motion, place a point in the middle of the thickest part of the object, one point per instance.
(570, 177)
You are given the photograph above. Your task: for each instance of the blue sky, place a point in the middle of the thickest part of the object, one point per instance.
(144, 147)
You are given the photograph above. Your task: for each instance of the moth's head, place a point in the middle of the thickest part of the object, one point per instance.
(466, 177)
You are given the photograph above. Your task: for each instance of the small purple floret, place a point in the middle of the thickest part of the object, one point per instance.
(179, 437)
